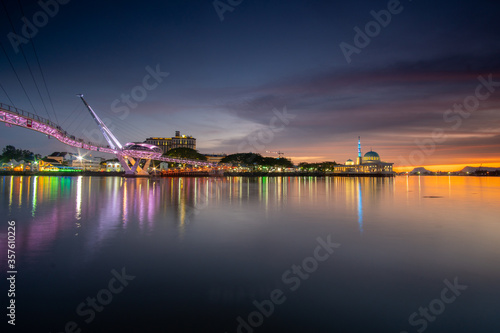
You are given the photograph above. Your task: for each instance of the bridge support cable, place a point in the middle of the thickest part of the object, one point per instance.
(127, 130)
(40, 68)
(18, 79)
(112, 140)
(26, 60)
(77, 104)
(5, 92)
(76, 119)
(131, 156)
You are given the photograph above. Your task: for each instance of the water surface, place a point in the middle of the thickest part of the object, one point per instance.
(203, 250)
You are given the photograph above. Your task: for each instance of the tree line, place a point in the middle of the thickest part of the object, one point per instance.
(12, 153)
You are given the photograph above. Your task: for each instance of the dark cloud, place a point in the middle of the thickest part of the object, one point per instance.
(226, 78)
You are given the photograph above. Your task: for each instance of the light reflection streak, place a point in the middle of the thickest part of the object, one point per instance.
(151, 203)
(260, 188)
(298, 185)
(360, 208)
(10, 192)
(196, 192)
(266, 193)
(113, 208)
(20, 191)
(90, 188)
(33, 199)
(125, 204)
(240, 191)
(449, 186)
(78, 214)
(407, 189)
(140, 203)
(181, 208)
(419, 188)
(280, 193)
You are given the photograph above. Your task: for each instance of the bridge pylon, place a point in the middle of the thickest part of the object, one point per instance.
(131, 155)
(131, 165)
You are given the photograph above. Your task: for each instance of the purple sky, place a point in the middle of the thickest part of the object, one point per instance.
(226, 77)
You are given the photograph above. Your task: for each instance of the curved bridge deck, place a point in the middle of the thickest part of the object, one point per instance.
(14, 116)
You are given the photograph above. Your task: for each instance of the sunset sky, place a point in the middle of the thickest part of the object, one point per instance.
(228, 79)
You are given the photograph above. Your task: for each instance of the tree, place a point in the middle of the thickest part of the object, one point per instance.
(323, 166)
(252, 160)
(281, 162)
(186, 153)
(303, 166)
(11, 153)
(243, 159)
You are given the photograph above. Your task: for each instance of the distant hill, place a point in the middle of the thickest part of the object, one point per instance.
(417, 170)
(470, 169)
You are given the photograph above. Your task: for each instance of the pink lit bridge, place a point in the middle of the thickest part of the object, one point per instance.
(130, 155)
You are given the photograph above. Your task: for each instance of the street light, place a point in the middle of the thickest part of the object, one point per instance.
(80, 158)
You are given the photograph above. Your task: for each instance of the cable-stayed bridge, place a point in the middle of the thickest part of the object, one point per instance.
(130, 155)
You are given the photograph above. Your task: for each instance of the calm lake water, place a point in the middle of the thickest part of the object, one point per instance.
(248, 255)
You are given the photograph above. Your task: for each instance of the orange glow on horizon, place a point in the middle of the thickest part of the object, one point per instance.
(447, 167)
(433, 167)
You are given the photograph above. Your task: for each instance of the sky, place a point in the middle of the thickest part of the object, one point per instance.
(418, 81)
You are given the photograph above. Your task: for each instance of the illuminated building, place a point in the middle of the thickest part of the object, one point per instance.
(61, 157)
(177, 141)
(87, 163)
(113, 166)
(215, 158)
(370, 163)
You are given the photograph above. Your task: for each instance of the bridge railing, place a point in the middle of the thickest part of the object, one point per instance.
(63, 133)
(27, 114)
(45, 121)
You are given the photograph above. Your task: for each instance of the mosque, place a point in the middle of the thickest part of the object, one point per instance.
(370, 163)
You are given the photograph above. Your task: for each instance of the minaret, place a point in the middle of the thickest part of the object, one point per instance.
(359, 160)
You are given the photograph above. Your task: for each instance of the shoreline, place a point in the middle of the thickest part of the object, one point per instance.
(191, 174)
(225, 174)
(62, 173)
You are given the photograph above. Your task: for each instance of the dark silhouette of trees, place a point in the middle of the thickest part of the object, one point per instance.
(11, 153)
(187, 153)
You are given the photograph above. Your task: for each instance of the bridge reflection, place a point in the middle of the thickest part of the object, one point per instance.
(98, 208)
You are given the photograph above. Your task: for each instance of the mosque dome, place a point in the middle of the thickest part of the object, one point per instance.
(371, 156)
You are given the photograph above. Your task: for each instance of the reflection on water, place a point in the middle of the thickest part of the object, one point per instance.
(104, 205)
(360, 208)
(217, 244)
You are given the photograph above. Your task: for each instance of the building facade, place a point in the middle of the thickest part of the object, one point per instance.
(85, 162)
(370, 163)
(61, 156)
(177, 141)
(215, 158)
(88, 163)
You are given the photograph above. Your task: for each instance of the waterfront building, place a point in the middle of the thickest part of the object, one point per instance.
(370, 163)
(87, 163)
(65, 160)
(21, 165)
(61, 157)
(177, 141)
(113, 166)
(214, 158)
(49, 164)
